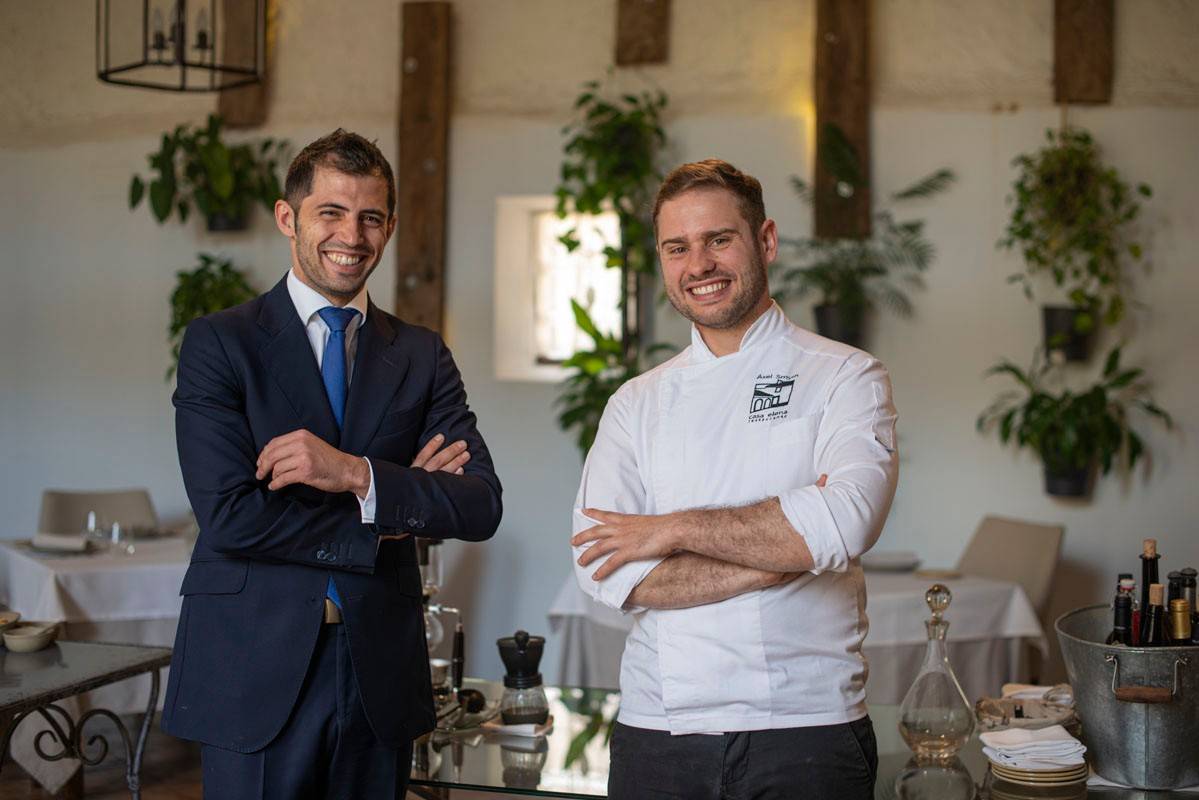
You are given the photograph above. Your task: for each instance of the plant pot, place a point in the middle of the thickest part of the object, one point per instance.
(220, 222)
(1062, 334)
(842, 323)
(1068, 483)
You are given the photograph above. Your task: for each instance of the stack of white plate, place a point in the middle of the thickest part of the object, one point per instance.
(1054, 776)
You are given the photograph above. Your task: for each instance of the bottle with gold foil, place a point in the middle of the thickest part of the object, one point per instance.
(1180, 623)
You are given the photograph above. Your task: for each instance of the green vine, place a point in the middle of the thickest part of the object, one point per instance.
(1070, 218)
(609, 165)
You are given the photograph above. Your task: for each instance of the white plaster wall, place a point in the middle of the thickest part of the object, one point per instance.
(85, 282)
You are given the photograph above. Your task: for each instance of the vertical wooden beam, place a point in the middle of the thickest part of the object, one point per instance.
(422, 171)
(642, 32)
(245, 106)
(1084, 34)
(842, 99)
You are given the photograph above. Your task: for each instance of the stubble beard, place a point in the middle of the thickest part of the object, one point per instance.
(751, 291)
(308, 254)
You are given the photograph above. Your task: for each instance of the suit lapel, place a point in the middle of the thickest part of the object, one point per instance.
(288, 357)
(379, 368)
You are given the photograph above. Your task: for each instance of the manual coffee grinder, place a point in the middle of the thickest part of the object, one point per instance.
(524, 699)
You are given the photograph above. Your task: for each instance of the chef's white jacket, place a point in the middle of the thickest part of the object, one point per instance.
(766, 421)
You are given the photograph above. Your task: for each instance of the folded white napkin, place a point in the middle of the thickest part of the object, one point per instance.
(1035, 749)
(60, 542)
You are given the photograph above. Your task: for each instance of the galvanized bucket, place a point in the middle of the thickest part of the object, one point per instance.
(1139, 706)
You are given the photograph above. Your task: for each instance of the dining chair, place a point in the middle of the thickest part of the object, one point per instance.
(66, 511)
(1022, 552)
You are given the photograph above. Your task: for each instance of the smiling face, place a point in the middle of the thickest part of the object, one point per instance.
(338, 234)
(714, 265)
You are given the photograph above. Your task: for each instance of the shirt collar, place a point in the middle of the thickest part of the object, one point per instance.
(764, 328)
(308, 301)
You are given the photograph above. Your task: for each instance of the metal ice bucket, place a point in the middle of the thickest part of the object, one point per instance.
(1139, 706)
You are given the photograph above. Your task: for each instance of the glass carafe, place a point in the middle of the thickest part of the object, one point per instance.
(935, 719)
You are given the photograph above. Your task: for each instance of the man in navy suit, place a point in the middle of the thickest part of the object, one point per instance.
(315, 432)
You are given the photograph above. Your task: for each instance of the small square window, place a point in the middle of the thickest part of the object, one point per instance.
(536, 277)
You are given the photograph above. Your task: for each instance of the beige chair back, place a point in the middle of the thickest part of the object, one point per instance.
(1014, 550)
(66, 512)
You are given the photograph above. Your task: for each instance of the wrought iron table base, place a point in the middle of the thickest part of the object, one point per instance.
(68, 734)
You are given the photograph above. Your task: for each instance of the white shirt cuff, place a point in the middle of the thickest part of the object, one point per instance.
(809, 515)
(367, 504)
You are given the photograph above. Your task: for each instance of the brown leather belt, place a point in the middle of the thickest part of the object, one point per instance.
(332, 613)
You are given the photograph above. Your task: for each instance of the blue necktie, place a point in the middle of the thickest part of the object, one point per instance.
(334, 374)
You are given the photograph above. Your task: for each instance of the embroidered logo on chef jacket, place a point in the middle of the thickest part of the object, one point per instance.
(771, 395)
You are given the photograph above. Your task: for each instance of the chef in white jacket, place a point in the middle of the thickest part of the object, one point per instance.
(725, 504)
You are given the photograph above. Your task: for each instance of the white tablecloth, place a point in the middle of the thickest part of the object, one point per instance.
(989, 621)
(107, 596)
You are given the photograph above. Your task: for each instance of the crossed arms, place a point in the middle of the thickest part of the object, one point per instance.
(628, 560)
(309, 503)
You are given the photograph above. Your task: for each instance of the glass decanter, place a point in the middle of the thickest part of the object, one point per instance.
(935, 718)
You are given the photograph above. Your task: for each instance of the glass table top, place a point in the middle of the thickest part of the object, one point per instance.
(572, 760)
(66, 668)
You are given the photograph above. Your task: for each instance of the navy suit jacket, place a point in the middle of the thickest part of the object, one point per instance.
(254, 591)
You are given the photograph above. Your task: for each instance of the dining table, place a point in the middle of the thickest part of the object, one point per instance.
(117, 594)
(991, 622)
(106, 594)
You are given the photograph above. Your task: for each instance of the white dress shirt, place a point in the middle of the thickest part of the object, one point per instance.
(308, 303)
(766, 421)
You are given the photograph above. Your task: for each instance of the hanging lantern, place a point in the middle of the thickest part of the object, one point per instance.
(181, 46)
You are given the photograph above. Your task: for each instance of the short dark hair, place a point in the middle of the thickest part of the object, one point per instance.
(345, 152)
(713, 173)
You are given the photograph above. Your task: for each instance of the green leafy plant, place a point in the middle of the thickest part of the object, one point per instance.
(609, 165)
(194, 165)
(1069, 431)
(859, 274)
(1070, 220)
(212, 286)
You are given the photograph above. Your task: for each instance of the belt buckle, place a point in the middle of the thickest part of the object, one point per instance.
(332, 613)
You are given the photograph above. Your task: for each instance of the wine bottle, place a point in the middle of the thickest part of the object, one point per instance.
(1122, 626)
(1180, 623)
(1173, 587)
(1149, 559)
(1189, 576)
(1155, 622)
(1126, 585)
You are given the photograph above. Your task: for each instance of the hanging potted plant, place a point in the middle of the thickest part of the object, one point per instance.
(194, 165)
(1070, 220)
(212, 286)
(853, 276)
(1072, 433)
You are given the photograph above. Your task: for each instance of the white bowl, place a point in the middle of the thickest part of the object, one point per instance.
(28, 637)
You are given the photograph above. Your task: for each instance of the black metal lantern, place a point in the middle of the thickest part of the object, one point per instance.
(181, 46)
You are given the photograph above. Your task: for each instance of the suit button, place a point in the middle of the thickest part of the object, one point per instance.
(411, 522)
(420, 524)
(331, 557)
(320, 555)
